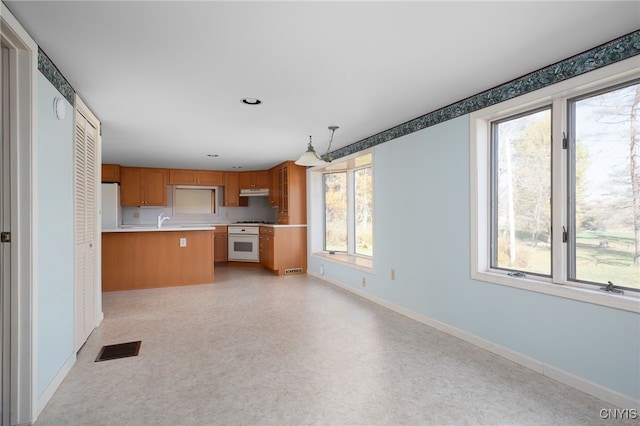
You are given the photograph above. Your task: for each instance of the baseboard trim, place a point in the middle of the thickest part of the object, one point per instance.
(601, 392)
(53, 386)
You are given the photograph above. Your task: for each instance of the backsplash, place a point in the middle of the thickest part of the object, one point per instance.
(259, 209)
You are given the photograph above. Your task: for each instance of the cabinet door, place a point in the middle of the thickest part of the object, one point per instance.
(154, 187)
(253, 180)
(270, 252)
(110, 173)
(182, 177)
(209, 177)
(231, 189)
(273, 187)
(130, 186)
(220, 246)
(262, 179)
(247, 180)
(283, 195)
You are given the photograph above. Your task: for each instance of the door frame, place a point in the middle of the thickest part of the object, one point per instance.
(23, 53)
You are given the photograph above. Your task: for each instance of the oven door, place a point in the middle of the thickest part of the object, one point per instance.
(243, 248)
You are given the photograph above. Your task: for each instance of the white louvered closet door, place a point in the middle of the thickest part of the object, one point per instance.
(85, 170)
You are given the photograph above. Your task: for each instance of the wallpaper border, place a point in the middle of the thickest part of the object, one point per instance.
(606, 54)
(51, 73)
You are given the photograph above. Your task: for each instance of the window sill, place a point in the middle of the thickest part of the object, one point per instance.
(363, 263)
(624, 302)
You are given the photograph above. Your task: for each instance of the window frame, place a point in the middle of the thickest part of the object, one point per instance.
(557, 96)
(493, 190)
(347, 164)
(351, 211)
(324, 210)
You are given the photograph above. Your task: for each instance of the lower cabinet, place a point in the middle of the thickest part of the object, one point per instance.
(221, 248)
(138, 260)
(283, 250)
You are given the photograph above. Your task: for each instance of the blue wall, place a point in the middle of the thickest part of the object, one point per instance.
(422, 217)
(55, 236)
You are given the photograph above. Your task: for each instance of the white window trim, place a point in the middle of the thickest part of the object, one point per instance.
(316, 217)
(480, 175)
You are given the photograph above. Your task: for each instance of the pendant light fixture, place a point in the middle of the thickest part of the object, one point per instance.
(310, 158)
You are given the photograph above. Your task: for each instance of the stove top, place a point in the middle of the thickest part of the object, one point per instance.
(264, 222)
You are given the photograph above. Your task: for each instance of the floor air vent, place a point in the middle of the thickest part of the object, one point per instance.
(293, 271)
(121, 350)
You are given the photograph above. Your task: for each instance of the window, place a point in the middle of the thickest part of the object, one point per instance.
(194, 201)
(335, 211)
(556, 190)
(604, 218)
(521, 192)
(363, 211)
(348, 206)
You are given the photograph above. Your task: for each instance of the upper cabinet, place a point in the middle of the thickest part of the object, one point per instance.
(273, 188)
(195, 177)
(143, 186)
(232, 191)
(291, 193)
(110, 173)
(255, 180)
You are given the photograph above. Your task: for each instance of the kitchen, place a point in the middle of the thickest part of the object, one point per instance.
(168, 227)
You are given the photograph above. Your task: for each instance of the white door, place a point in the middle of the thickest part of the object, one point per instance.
(86, 135)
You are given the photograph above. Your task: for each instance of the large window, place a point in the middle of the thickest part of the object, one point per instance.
(521, 192)
(348, 207)
(604, 215)
(556, 190)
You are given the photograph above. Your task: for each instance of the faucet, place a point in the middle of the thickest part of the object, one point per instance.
(162, 219)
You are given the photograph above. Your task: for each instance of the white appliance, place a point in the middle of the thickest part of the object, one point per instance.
(111, 210)
(243, 243)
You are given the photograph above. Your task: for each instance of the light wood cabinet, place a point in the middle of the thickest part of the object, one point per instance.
(110, 173)
(195, 177)
(266, 247)
(254, 180)
(284, 250)
(143, 186)
(292, 193)
(138, 260)
(232, 191)
(273, 188)
(221, 248)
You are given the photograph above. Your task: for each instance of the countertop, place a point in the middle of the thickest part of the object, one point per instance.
(150, 228)
(197, 227)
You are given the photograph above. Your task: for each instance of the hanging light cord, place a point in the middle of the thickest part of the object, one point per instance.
(333, 130)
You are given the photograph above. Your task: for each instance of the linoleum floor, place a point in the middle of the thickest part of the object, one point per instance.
(254, 349)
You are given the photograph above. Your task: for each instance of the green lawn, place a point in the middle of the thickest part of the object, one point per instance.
(601, 257)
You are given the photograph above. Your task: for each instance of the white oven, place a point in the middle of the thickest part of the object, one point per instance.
(243, 243)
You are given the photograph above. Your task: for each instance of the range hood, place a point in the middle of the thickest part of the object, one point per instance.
(258, 192)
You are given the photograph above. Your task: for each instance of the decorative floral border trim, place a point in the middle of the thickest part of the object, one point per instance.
(51, 72)
(614, 51)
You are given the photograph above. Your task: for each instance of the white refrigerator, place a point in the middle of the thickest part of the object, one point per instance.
(111, 210)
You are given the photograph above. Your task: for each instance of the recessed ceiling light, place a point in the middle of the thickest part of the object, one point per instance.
(213, 155)
(251, 101)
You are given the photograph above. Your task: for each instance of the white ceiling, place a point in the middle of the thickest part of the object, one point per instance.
(167, 78)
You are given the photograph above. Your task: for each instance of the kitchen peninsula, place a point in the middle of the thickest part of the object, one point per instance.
(147, 257)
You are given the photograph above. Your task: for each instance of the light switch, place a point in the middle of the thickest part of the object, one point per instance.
(183, 242)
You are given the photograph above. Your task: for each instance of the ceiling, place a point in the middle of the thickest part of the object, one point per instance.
(167, 78)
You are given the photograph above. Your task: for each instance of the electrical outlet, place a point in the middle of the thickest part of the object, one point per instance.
(364, 282)
(136, 215)
(321, 269)
(183, 242)
(393, 274)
